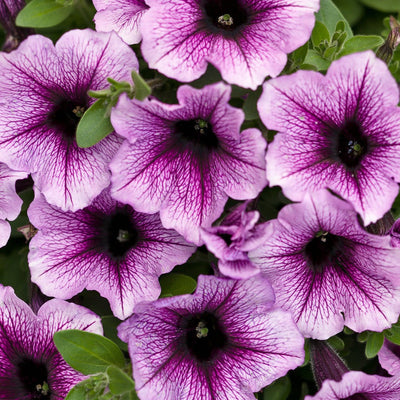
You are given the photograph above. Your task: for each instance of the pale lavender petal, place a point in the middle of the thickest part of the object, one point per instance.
(389, 357)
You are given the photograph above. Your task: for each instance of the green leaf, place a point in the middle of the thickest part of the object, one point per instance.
(361, 43)
(87, 352)
(393, 334)
(336, 343)
(352, 10)
(319, 33)
(299, 54)
(330, 15)
(383, 5)
(120, 382)
(43, 14)
(78, 392)
(278, 390)
(363, 336)
(250, 105)
(374, 344)
(94, 125)
(142, 89)
(315, 59)
(173, 284)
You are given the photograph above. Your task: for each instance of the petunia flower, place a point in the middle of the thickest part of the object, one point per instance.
(225, 341)
(328, 271)
(121, 16)
(339, 131)
(31, 367)
(233, 239)
(395, 234)
(10, 202)
(356, 385)
(9, 10)
(245, 39)
(44, 93)
(107, 246)
(389, 357)
(185, 160)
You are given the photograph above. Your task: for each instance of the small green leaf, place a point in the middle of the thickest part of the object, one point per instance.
(330, 15)
(315, 59)
(120, 382)
(43, 14)
(348, 331)
(336, 343)
(278, 390)
(94, 125)
(374, 344)
(299, 54)
(363, 336)
(393, 334)
(361, 43)
(142, 89)
(78, 392)
(173, 284)
(250, 105)
(319, 33)
(87, 352)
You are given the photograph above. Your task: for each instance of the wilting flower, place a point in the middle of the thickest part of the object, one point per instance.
(356, 385)
(233, 239)
(328, 271)
(121, 16)
(107, 246)
(9, 10)
(10, 202)
(224, 342)
(185, 160)
(339, 131)
(44, 94)
(31, 367)
(245, 39)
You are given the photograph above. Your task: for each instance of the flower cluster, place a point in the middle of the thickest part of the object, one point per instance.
(230, 222)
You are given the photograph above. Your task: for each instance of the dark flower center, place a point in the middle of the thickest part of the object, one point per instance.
(321, 250)
(226, 15)
(204, 336)
(196, 132)
(226, 238)
(119, 233)
(351, 145)
(33, 376)
(65, 117)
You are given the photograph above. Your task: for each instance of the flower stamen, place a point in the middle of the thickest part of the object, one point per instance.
(225, 20)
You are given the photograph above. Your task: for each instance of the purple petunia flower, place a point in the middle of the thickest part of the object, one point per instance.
(107, 247)
(233, 239)
(389, 357)
(245, 39)
(185, 160)
(9, 10)
(356, 385)
(224, 342)
(44, 93)
(328, 271)
(339, 131)
(121, 16)
(30, 365)
(10, 202)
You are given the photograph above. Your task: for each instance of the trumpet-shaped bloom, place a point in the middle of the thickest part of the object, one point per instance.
(31, 368)
(233, 239)
(245, 39)
(339, 131)
(44, 93)
(121, 16)
(10, 202)
(328, 271)
(225, 341)
(356, 385)
(107, 247)
(185, 160)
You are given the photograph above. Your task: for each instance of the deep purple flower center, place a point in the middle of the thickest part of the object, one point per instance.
(196, 133)
(33, 377)
(65, 117)
(226, 238)
(204, 337)
(225, 15)
(351, 145)
(119, 232)
(321, 250)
